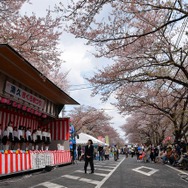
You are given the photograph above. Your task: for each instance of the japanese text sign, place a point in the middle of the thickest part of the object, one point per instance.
(24, 95)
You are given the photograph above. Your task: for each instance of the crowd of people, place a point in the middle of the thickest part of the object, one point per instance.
(174, 154)
(13, 138)
(100, 152)
(90, 153)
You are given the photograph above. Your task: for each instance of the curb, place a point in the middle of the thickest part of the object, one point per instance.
(21, 173)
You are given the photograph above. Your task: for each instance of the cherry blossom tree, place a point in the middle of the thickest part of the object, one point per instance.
(133, 34)
(112, 25)
(147, 129)
(35, 38)
(143, 39)
(168, 103)
(94, 122)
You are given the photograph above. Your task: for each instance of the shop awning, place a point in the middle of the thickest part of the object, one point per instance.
(15, 66)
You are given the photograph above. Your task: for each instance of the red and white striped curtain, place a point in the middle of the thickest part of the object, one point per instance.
(18, 119)
(60, 129)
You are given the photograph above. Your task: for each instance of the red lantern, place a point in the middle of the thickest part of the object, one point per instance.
(3, 100)
(44, 115)
(8, 102)
(28, 109)
(19, 106)
(14, 104)
(24, 108)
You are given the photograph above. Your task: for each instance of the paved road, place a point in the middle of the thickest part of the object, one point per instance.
(125, 173)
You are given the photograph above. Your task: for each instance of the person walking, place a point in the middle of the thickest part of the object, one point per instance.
(79, 152)
(126, 151)
(116, 153)
(89, 149)
(132, 151)
(101, 152)
(106, 153)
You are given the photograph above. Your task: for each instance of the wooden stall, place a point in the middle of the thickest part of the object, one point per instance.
(29, 99)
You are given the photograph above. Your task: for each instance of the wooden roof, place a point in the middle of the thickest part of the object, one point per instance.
(16, 67)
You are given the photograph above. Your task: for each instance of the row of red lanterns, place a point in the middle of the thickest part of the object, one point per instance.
(23, 107)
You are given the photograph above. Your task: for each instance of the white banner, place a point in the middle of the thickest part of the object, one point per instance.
(24, 95)
(41, 160)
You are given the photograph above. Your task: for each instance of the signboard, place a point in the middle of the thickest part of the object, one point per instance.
(24, 95)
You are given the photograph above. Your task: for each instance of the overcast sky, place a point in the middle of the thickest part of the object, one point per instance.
(81, 63)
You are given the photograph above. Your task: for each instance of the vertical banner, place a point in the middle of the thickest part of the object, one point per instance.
(107, 141)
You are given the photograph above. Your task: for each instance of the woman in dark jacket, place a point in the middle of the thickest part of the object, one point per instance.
(89, 150)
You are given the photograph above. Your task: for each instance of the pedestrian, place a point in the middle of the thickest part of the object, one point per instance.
(132, 151)
(89, 150)
(106, 153)
(101, 152)
(126, 151)
(152, 154)
(79, 151)
(137, 153)
(183, 145)
(116, 153)
(156, 154)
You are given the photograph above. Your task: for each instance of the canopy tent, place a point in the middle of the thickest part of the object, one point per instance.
(83, 139)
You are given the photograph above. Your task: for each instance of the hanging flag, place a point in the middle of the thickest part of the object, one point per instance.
(107, 140)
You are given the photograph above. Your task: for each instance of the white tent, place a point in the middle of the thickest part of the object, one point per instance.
(83, 139)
